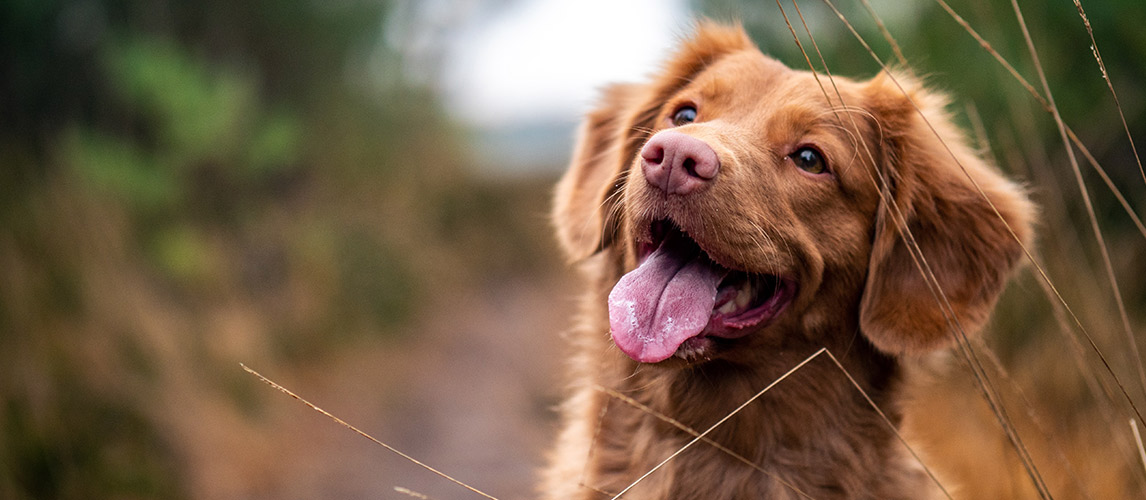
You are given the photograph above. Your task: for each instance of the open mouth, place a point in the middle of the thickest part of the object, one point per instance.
(678, 297)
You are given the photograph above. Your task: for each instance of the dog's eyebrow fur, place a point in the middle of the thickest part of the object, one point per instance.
(854, 287)
(790, 124)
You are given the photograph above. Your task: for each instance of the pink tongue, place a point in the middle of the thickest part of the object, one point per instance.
(666, 300)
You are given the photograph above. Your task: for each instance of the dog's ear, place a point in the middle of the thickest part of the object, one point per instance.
(963, 215)
(586, 204)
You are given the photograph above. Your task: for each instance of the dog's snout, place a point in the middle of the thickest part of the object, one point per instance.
(678, 163)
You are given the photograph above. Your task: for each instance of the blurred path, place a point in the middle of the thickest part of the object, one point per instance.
(470, 392)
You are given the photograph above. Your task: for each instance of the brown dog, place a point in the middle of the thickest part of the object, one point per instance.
(734, 216)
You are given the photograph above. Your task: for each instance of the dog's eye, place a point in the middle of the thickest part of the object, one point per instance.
(684, 115)
(809, 160)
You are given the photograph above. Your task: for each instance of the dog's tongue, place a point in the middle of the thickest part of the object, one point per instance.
(666, 300)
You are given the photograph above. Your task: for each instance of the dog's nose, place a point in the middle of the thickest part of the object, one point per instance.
(678, 163)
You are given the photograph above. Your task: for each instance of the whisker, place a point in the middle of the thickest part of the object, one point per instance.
(787, 246)
(832, 80)
(985, 148)
(984, 383)
(1030, 258)
(922, 264)
(1026, 251)
(836, 109)
(968, 348)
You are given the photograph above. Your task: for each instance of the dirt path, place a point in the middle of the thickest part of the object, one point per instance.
(470, 393)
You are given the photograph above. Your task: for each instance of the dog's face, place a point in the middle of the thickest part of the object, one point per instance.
(749, 204)
(748, 189)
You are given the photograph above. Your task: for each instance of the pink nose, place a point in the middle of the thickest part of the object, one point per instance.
(678, 163)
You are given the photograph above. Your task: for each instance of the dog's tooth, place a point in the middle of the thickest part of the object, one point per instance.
(744, 296)
(727, 307)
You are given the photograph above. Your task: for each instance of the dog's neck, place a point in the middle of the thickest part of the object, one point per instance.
(817, 398)
(811, 431)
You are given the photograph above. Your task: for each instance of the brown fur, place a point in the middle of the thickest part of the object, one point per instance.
(861, 294)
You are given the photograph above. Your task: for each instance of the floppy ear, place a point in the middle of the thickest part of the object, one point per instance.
(586, 202)
(964, 244)
(584, 208)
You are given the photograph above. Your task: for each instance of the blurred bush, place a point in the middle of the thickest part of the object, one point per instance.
(184, 185)
(187, 185)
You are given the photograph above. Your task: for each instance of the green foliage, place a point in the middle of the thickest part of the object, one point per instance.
(376, 278)
(162, 163)
(182, 253)
(273, 147)
(90, 446)
(939, 49)
(1019, 132)
(121, 169)
(198, 114)
(207, 161)
(196, 118)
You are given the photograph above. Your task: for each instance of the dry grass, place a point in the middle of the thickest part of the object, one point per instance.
(1031, 427)
(457, 387)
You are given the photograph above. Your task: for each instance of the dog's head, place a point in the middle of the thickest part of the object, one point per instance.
(746, 201)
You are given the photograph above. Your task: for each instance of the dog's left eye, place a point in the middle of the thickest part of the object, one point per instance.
(684, 115)
(809, 160)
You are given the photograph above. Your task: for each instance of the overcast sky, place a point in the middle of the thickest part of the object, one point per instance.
(545, 59)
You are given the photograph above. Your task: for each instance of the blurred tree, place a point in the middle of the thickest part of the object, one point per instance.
(164, 163)
(939, 49)
(186, 155)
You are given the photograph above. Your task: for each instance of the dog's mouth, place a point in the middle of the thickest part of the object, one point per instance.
(678, 299)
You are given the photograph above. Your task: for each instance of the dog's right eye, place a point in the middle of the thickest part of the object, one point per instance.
(809, 160)
(683, 116)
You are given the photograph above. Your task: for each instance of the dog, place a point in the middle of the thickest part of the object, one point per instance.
(731, 217)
